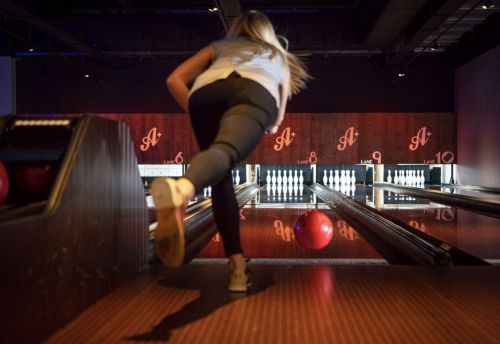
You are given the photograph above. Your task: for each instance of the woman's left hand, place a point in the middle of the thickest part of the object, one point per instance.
(272, 130)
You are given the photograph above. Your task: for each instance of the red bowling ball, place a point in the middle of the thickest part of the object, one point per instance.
(4, 184)
(34, 179)
(313, 230)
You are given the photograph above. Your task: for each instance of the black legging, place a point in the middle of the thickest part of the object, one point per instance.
(229, 118)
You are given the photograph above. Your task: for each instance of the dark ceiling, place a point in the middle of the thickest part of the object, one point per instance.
(107, 30)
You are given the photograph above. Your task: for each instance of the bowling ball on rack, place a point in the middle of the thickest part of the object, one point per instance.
(4, 184)
(313, 230)
(34, 179)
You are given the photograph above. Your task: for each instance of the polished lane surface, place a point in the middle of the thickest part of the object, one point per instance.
(471, 193)
(266, 230)
(471, 232)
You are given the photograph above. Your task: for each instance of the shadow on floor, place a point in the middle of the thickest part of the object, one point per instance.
(211, 282)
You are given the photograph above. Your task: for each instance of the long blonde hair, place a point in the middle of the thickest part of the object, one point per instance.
(258, 27)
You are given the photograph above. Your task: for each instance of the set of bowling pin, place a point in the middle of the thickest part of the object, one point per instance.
(291, 191)
(291, 179)
(346, 189)
(411, 177)
(344, 179)
(207, 192)
(236, 180)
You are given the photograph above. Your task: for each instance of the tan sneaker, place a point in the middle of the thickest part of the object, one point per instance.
(169, 233)
(239, 281)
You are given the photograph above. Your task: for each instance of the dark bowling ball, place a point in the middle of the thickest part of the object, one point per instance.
(4, 184)
(313, 230)
(34, 179)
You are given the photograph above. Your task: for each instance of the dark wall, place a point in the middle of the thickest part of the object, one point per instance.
(473, 44)
(478, 120)
(344, 84)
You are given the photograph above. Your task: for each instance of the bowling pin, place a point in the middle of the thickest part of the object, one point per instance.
(337, 187)
(295, 188)
(273, 178)
(337, 178)
(268, 189)
(295, 179)
(301, 178)
(237, 179)
(290, 178)
(279, 190)
(279, 177)
(325, 178)
(353, 190)
(353, 178)
(389, 179)
(422, 177)
(348, 189)
(342, 177)
(209, 191)
(348, 177)
(205, 192)
(396, 179)
(342, 187)
(301, 190)
(268, 178)
(418, 177)
(330, 179)
(285, 189)
(285, 180)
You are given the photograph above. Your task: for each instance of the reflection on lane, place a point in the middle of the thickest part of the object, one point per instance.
(279, 194)
(267, 232)
(470, 193)
(473, 233)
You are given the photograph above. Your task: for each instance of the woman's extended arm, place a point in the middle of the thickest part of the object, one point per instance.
(186, 73)
(283, 89)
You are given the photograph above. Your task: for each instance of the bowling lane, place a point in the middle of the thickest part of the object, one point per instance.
(267, 232)
(473, 233)
(470, 193)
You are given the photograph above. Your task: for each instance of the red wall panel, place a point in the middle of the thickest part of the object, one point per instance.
(321, 138)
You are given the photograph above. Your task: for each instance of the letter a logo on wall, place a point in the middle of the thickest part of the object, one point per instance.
(152, 139)
(284, 139)
(347, 139)
(421, 137)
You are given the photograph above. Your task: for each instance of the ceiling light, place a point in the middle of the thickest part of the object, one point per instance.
(86, 75)
(434, 46)
(213, 9)
(30, 49)
(488, 4)
(401, 74)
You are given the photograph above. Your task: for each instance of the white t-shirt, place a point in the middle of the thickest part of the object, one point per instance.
(242, 55)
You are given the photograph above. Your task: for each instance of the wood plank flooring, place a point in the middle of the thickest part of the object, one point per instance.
(297, 304)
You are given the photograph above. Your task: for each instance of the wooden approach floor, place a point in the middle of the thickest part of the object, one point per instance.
(297, 304)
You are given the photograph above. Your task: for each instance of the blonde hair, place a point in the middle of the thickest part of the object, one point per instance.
(258, 28)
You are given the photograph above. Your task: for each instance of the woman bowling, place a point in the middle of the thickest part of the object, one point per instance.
(240, 90)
